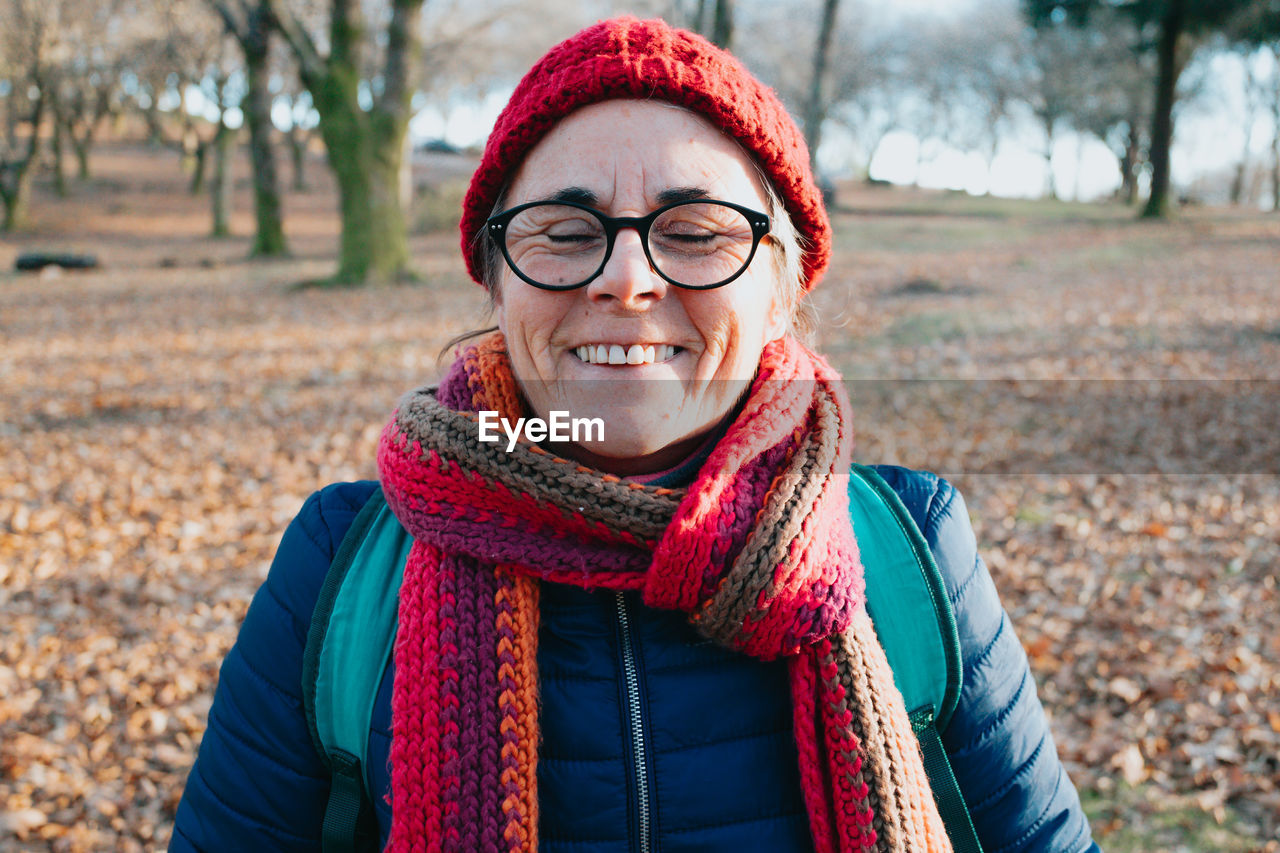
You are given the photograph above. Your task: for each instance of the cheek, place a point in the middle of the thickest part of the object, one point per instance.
(528, 320)
(734, 326)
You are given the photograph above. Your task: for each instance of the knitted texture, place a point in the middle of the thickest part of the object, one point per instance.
(629, 58)
(758, 551)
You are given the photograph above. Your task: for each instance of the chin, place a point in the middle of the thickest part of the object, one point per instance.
(627, 447)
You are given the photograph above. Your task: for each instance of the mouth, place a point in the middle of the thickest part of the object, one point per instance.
(626, 353)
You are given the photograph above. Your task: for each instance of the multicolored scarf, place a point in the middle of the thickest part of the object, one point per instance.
(758, 550)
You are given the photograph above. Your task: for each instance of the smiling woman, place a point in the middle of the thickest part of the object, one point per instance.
(659, 636)
(630, 158)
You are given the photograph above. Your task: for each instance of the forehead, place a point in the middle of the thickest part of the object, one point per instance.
(628, 152)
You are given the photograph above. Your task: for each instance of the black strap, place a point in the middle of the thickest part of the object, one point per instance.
(946, 791)
(319, 626)
(346, 815)
(342, 812)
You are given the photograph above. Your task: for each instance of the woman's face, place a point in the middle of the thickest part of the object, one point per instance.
(627, 158)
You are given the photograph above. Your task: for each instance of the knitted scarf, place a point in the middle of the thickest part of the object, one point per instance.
(758, 551)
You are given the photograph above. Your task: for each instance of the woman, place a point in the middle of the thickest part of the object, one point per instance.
(653, 638)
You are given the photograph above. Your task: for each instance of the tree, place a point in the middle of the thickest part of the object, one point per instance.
(855, 90)
(28, 45)
(85, 86)
(249, 23)
(1116, 103)
(180, 61)
(298, 133)
(217, 87)
(1176, 22)
(1258, 28)
(722, 24)
(1058, 62)
(365, 144)
(993, 77)
(1256, 96)
(816, 103)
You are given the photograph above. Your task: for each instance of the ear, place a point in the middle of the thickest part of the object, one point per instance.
(777, 318)
(500, 316)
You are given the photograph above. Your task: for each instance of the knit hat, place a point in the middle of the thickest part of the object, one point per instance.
(629, 58)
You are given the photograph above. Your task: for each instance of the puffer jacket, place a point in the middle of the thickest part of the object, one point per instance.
(705, 758)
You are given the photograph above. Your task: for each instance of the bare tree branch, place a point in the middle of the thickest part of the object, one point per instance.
(235, 20)
(404, 45)
(310, 62)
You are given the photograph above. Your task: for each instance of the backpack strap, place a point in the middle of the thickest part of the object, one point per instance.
(908, 603)
(348, 649)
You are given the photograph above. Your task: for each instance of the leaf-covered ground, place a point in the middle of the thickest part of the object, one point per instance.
(162, 418)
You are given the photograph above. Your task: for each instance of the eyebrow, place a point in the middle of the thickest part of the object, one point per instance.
(582, 195)
(681, 194)
(578, 195)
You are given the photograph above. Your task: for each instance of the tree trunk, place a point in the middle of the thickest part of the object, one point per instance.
(269, 237)
(17, 195)
(816, 106)
(1250, 118)
(1171, 29)
(18, 200)
(1275, 166)
(82, 140)
(374, 244)
(11, 119)
(699, 22)
(1275, 137)
(365, 148)
(1051, 180)
(81, 147)
(196, 156)
(59, 152)
(722, 24)
(298, 152)
(1129, 164)
(155, 132)
(220, 189)
(992, 152)
(1236, 193)
(1075, 178)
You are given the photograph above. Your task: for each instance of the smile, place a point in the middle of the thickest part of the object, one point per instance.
(619, 354)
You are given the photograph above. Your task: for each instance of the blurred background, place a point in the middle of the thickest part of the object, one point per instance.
(229, 244)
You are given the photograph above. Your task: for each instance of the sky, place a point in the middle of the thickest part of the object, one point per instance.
(1208, 139)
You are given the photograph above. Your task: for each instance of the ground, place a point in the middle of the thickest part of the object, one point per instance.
(164, 416)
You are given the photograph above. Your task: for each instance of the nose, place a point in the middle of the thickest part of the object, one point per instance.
(627, 278)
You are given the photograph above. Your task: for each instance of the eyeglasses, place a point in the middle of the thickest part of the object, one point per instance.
(561, 245)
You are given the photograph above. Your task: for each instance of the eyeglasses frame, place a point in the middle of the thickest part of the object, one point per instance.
(496, 225)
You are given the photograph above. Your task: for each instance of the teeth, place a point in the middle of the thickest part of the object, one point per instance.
(618, 354)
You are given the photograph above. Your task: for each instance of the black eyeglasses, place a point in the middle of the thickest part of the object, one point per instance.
(697, 244)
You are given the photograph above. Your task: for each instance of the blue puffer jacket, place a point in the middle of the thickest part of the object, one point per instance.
(715, 752)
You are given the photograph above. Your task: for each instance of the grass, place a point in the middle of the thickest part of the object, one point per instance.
(932, 327)
(1146, 819)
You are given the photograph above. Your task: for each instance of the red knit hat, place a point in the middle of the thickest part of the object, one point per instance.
(629, 58)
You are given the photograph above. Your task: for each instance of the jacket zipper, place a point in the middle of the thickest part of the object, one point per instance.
(631, 681)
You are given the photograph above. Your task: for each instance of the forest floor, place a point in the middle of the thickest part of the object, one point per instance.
(163, 417)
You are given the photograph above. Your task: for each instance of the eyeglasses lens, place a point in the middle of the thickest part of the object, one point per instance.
(696, 244)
